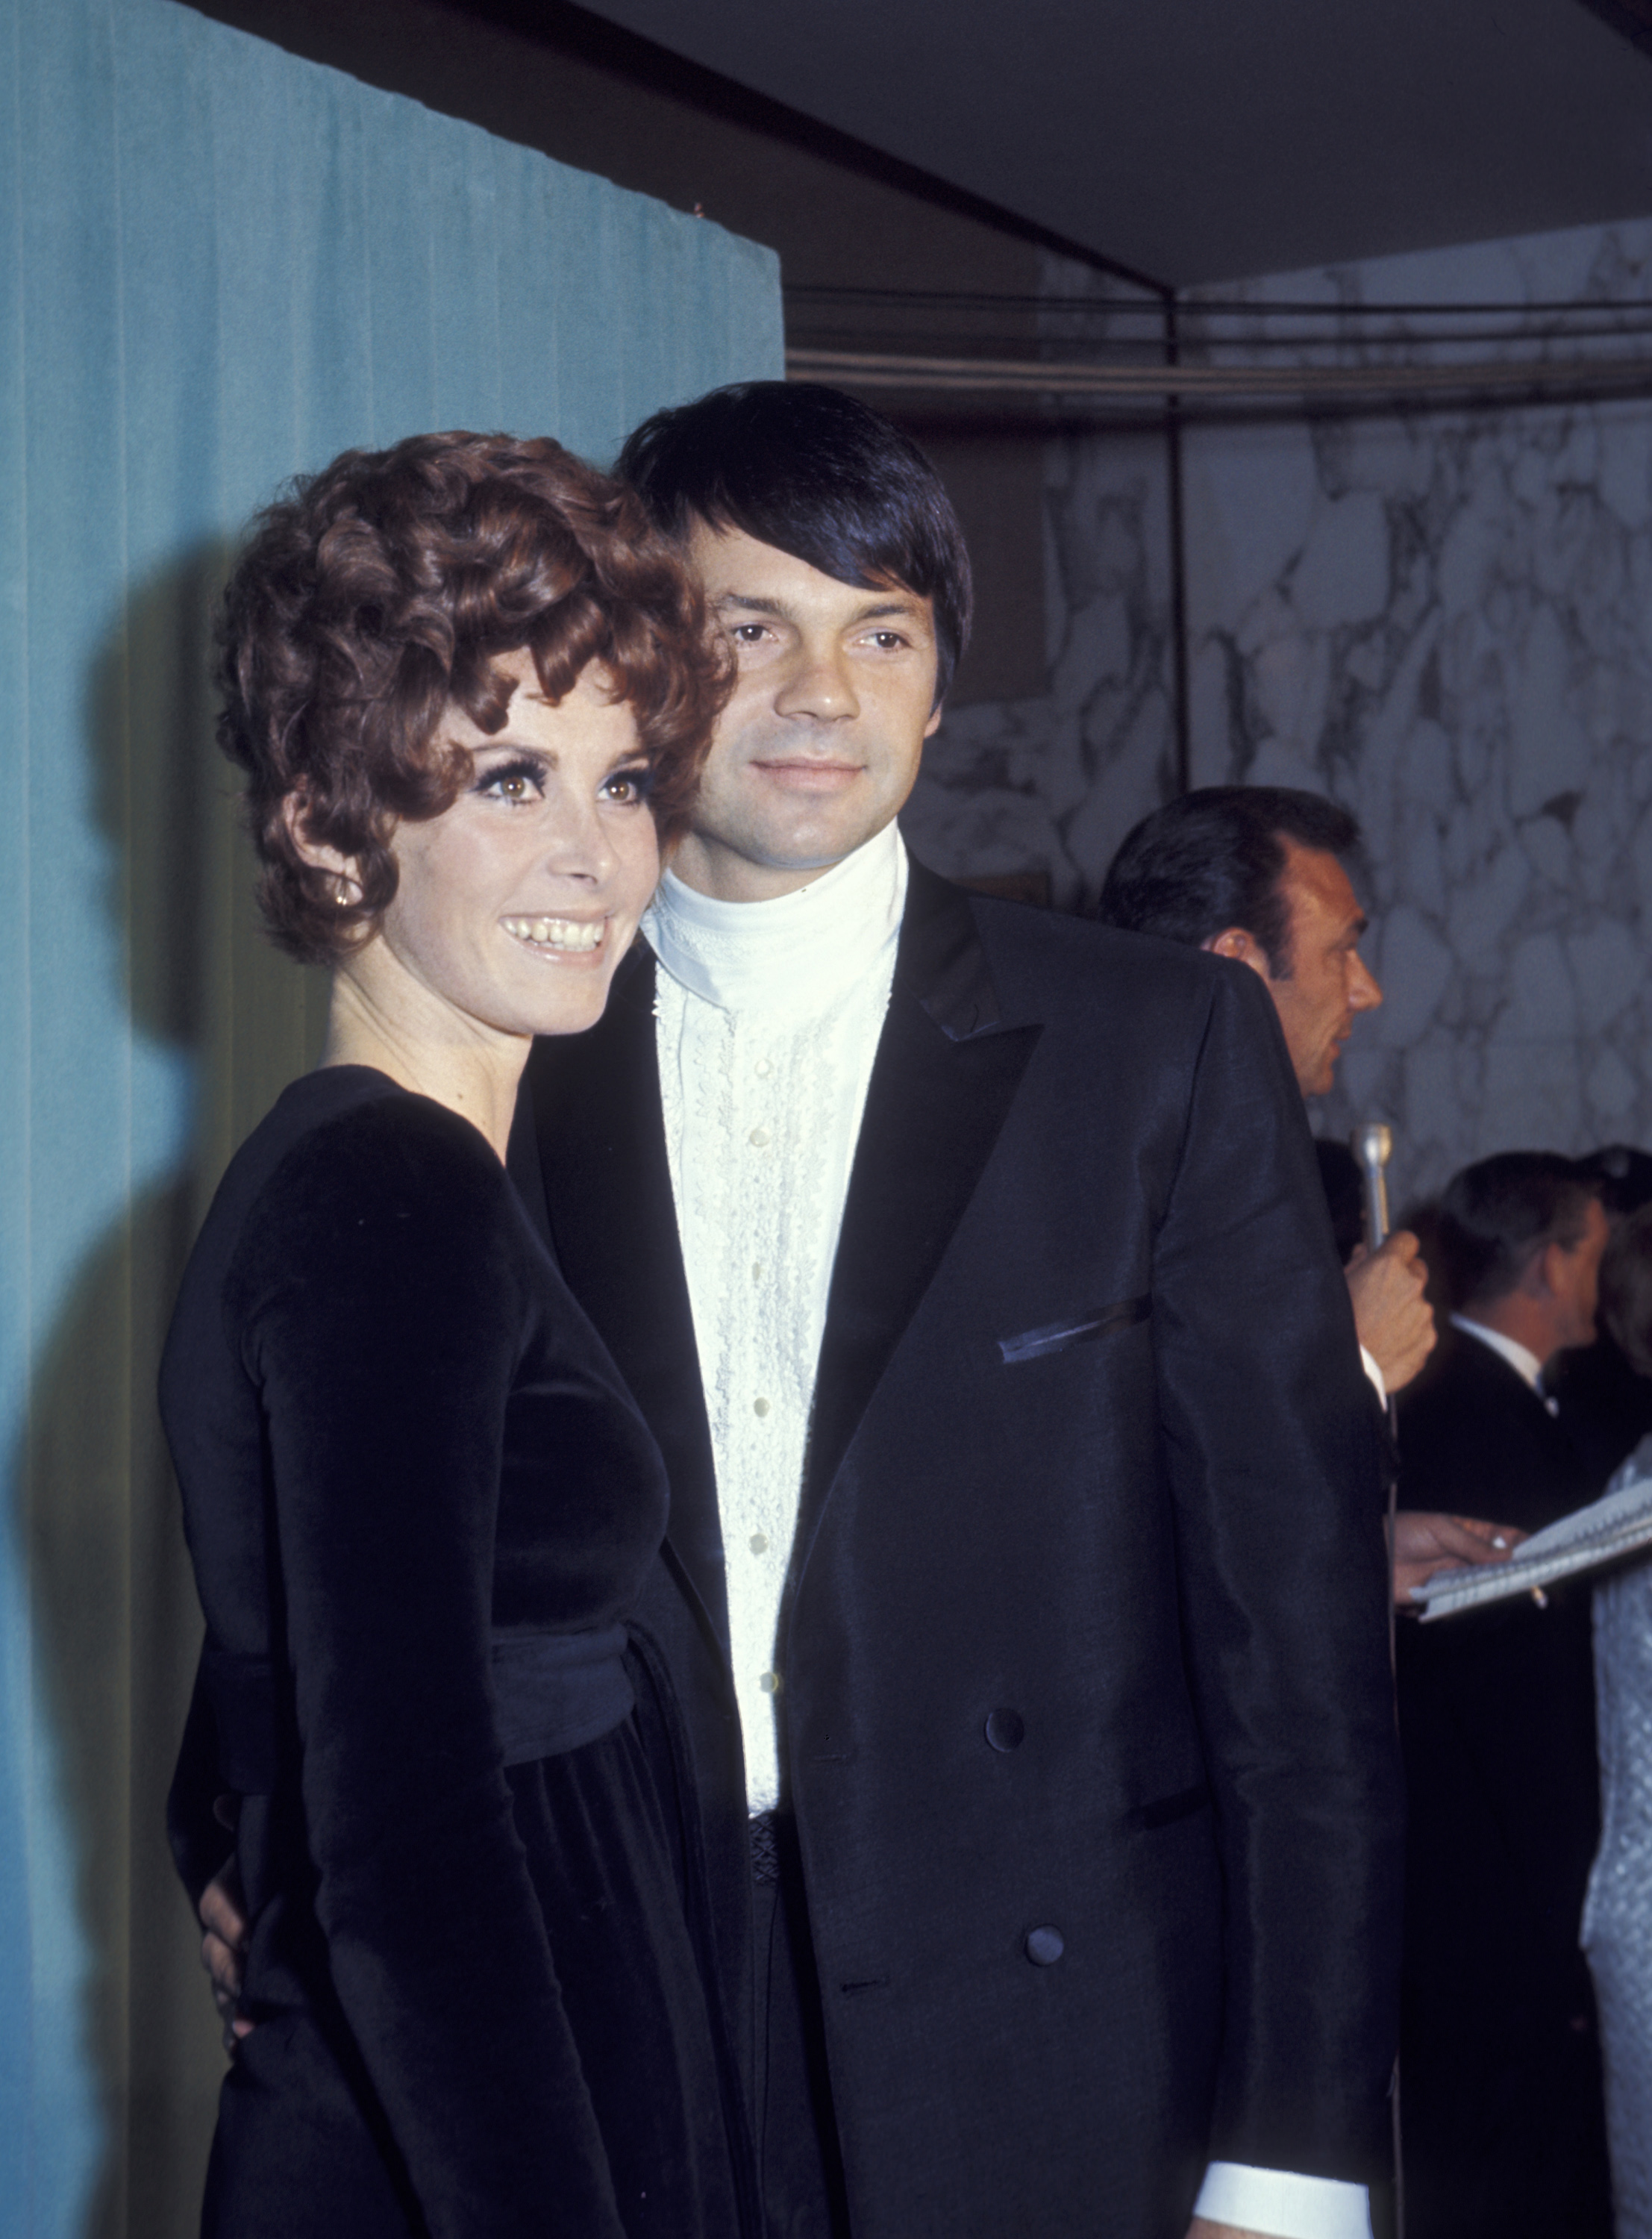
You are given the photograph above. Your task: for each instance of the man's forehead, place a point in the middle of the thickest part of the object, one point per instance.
(1315, 882)
(737, 567)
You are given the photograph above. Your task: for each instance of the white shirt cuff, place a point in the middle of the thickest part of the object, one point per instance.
(1282, 2205)
(1376, 1375)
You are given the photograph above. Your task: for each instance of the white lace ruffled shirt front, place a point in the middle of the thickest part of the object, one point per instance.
(768, 1015)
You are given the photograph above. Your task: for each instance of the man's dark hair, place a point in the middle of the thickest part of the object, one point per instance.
(816, 474)
(1497, 1213)
(1215, 859)
(1624, 1175)
(1626, 1290)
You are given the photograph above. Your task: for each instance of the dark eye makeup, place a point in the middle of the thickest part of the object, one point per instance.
(522, 770)
(638, 775)
(525, 774)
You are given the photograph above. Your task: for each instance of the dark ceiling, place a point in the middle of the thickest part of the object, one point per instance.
(1197, 141)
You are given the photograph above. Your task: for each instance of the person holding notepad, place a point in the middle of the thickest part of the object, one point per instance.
(1502, 2121)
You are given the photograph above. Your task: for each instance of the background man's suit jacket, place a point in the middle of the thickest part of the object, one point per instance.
(1504, 2134)
(1086, 1627)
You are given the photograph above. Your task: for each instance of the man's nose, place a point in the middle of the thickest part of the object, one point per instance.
(818, 685)
(1364, 993)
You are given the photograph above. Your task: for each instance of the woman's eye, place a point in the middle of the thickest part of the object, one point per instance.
(748, 632)
(887, 641)
(627, 787)
(517, 783)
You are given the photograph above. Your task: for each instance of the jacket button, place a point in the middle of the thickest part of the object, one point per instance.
(1005, 1729)
(1045, 1946)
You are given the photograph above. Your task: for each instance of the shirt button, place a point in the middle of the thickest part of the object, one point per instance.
(769, 1683)
(759, 1543)
(757, 1271)
(1045, 1946)
(758, 1139)
(762, 1068)
(760, 1406)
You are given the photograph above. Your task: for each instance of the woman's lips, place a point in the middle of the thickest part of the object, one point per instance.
(569, 936)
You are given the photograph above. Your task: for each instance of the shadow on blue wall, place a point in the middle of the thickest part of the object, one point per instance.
(115, 1619)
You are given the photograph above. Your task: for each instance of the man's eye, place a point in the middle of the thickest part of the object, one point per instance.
(747, 633)
(887, 641)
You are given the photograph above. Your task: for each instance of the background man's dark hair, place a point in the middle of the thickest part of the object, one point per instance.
(816, 474)
(1624, 1175)
(1214, 859)
(1626, 1289)
(1496, 1214)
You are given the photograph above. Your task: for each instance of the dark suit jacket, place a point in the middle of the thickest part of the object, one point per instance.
(1502, 2124)
(1605, 1407)
(1089, 1733)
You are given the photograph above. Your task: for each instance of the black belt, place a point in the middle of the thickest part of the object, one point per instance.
(557, 1690)
(554, 1691)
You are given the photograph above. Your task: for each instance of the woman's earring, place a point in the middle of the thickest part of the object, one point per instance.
(342, 892)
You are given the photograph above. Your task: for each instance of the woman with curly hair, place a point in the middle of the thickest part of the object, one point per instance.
(470, 689)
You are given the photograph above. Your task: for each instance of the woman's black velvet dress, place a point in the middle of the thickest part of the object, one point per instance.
(420, 1503)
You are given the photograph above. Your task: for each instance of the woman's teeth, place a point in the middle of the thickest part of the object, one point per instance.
(557, 932)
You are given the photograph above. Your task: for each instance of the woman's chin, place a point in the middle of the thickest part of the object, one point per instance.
(571, 1008)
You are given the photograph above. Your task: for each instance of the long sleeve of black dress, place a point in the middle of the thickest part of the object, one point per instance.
(372, 1388)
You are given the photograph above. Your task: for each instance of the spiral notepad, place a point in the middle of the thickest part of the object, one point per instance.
(1617, 1524)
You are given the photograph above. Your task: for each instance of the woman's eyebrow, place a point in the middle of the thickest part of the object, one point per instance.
(519, 750)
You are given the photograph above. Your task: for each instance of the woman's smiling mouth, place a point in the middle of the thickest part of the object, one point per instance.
(580, 935)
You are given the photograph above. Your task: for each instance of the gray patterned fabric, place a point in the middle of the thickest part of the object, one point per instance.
(1617, 1919)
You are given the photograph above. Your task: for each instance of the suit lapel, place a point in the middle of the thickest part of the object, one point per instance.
(945, 1075)
(613, 1223)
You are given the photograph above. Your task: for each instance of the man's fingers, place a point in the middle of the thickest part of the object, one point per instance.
(1391, 1314)
(222, 1962)
(221, 1908)
(223, 1950)
(1422, 1536)
(1425, 1543)
(1487, 1543)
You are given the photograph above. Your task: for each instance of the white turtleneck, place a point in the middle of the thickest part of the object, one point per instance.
(769, 1014)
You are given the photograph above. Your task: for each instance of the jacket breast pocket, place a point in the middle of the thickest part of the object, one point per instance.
(1076, 1329)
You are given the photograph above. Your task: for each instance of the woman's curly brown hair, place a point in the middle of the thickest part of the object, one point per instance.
(382, 588)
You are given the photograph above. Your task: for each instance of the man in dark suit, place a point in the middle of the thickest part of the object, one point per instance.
(1605, 1405)
(1503, 2125)
(1023, 1592)
(1255, 872)
(1084, 1758)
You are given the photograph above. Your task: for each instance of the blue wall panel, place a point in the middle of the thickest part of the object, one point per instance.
(218, 266)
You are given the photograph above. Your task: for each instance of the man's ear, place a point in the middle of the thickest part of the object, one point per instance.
(1543, 1273)
(1234, 941)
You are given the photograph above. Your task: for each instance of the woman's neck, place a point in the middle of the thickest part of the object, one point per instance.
(475, 1074)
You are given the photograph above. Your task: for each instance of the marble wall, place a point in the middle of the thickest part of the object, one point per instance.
(1443, 620)
(1054, 782)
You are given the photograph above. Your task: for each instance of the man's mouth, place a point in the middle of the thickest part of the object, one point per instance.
(573, 935)
(804, 770)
